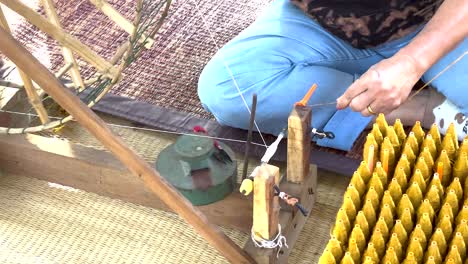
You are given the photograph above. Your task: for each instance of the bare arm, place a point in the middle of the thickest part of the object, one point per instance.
(387, 84)
(443, 32)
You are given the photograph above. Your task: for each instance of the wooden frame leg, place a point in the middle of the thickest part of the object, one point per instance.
(151, 178)
(33, 96)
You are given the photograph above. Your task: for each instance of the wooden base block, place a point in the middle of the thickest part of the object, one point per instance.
(96, 171)
(292, 221)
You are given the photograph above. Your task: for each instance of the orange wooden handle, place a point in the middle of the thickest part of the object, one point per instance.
(306, 98)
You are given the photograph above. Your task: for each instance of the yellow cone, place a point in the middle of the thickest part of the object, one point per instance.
(418, 132)
(434, 132)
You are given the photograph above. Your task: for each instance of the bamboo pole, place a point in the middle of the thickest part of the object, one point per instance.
(67, 53)
(121, 21)
(65, 68)
(151, 178)
(33, 97)
(63, 38)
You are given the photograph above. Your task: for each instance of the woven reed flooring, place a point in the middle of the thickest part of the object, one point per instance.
(47, 223)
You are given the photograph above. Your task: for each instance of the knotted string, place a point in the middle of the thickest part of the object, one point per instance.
(278, 242)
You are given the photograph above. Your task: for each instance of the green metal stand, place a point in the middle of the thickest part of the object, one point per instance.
(189, 165)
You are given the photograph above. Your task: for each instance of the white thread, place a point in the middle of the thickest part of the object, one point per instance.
(143, 129)
(205, 23)
(278, 242)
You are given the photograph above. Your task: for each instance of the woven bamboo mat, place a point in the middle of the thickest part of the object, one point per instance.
(47, 223)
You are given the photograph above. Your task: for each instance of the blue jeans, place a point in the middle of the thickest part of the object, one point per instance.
(283, 53)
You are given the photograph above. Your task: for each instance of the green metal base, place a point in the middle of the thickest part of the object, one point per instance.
(190, 166)
(211, 195)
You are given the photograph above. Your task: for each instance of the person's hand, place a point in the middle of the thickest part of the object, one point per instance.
(383, 87)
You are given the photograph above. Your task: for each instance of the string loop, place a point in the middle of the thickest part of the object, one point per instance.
(278, 242)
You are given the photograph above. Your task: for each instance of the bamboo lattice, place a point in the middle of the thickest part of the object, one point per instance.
(148, 18)
(407, 202)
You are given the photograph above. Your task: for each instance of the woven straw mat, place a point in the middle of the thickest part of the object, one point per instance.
(42, 222)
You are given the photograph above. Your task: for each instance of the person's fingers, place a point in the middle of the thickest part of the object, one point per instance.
(354, 90)
(360, 102)
(382, 105)
(366, 112)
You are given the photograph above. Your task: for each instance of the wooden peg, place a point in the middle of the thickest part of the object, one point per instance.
(266, 204)
(299, 139)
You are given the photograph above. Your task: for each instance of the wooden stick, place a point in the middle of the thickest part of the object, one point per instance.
(63, 38)
(164, 15)
(299, 140)
(306, 98)
(64, 69)
(121, 21)
(266, 204)
(253, 111)
(67, 53)
(120, 53)
(33, 97)
(151, 178)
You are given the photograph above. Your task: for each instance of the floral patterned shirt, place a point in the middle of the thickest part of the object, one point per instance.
(368, 23)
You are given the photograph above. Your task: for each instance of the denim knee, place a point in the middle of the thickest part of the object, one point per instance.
(211, 96)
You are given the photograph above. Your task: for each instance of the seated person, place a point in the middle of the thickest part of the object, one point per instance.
(365, 56)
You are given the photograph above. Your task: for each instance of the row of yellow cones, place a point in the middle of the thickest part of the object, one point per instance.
(429, 211)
